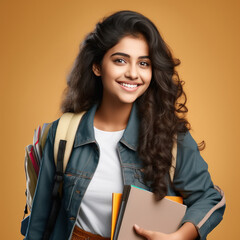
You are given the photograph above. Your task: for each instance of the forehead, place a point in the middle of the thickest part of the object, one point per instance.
(134, 46)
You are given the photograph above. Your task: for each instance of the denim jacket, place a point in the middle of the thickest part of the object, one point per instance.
(205, 202)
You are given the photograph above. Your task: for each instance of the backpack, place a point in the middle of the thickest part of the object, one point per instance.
(64, 138)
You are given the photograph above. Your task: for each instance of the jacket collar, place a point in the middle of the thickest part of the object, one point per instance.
(85, 132)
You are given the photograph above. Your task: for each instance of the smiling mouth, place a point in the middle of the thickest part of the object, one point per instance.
(127, 85)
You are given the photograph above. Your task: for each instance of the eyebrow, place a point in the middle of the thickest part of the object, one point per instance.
(128, 56)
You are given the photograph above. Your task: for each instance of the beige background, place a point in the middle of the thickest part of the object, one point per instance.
(39, 41)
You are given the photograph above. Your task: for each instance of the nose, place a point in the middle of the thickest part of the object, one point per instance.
(131, 72)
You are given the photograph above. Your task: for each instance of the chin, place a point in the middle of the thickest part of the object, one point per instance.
(128, 100)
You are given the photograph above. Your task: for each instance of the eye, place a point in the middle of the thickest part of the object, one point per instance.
(119, 60)
(144, 64)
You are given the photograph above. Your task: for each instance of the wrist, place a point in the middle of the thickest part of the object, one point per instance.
(187, 231)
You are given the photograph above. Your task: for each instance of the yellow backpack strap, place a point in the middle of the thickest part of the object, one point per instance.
(66, 130)
(174, 160)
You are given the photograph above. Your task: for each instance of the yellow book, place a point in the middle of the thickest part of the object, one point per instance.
(116, 201)
(175, 198)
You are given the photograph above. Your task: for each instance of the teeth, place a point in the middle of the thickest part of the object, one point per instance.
(129, 85)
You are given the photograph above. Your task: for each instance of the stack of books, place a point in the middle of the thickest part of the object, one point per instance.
(138, 206)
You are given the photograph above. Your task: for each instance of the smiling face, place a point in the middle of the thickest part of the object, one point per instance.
(126, 70)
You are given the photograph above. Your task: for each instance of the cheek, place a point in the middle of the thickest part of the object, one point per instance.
(112, 73)
(147, 76)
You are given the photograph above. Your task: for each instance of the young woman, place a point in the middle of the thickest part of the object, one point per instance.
(125, 78)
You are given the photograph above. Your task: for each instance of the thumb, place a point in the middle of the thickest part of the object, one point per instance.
(143, 232)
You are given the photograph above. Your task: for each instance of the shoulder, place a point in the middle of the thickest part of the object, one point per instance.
(188, 155)
(50, 131)
(67, 119)
(186, 141)
(53, 127)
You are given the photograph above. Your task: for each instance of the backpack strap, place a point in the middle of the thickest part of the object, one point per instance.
(64, 139)
(66, 130)
(174, 160)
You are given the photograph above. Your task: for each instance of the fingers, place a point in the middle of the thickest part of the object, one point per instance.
(145, 233)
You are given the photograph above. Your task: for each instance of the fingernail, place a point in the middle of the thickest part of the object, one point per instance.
(136, 226)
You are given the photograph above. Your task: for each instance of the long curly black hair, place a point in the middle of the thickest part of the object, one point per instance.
(162, 116)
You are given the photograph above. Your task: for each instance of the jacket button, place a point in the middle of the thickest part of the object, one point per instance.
(78, 192)
(72, 218)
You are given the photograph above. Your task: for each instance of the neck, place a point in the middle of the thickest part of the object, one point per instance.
(112, 116)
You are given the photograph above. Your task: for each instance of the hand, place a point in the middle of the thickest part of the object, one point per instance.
(186, 232)
(151, 235)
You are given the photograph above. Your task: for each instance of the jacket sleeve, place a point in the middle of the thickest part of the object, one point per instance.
(42, 198)
(205, 202)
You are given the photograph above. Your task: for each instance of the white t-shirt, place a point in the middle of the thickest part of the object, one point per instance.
(96, 207)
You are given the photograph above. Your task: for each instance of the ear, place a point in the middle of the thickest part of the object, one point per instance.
(96, 69)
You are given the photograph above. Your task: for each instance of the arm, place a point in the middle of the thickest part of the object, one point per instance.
(205, 202)
(42, 198)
